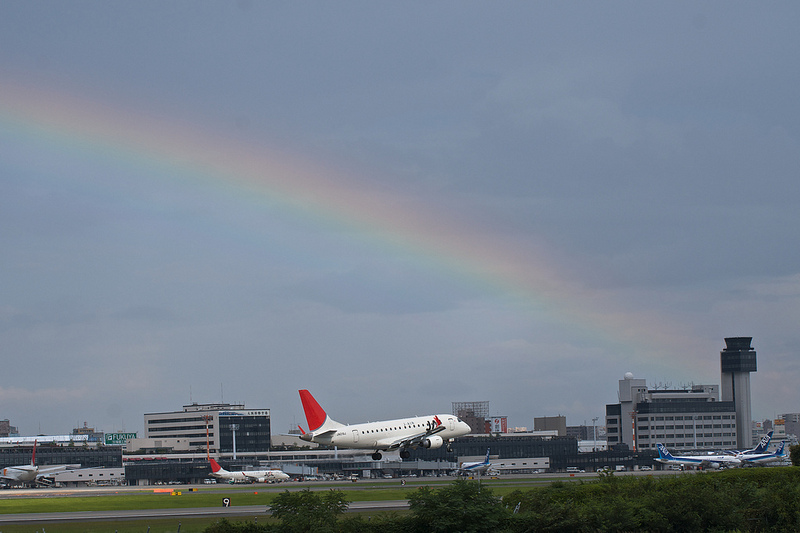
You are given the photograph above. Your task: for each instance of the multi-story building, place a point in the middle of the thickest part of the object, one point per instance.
(6, 429)
(475, 414)
(691, 418)
(551, 423)
(225, 428)
(791, 423)
(688, 418)
(91, 433)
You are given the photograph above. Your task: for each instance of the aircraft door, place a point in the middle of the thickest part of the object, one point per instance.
(451, 424)
(355, 435)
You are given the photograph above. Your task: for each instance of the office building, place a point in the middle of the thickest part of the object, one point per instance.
(228, 428)
(693, 417)
(690, 418)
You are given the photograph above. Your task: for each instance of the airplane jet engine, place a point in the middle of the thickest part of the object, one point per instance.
(433, 442)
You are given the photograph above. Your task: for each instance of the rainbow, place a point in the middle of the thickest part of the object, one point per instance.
(522, 273)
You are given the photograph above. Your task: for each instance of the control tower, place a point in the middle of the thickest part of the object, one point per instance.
(737, 360)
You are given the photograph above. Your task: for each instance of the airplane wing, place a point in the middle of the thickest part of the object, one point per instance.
(45, 470)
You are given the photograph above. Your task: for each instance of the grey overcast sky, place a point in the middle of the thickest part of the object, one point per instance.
(396, 205)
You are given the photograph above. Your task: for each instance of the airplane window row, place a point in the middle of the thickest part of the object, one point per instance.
(390, 429)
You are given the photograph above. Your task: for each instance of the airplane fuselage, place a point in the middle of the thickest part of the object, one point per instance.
(252, 476)
(20, 474)
(249, 476)
(763, 458)
(713, 461)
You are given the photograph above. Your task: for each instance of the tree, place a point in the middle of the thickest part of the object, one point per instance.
(794, 454)
(305, 510)
(464, 506)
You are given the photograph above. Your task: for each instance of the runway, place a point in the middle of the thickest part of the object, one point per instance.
(197, 512)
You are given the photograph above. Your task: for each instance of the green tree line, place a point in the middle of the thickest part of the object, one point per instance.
(749, 499)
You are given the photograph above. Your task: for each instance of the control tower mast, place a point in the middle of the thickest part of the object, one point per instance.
(737, 360)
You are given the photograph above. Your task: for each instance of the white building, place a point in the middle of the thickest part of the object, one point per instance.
(692, 417)
(228, 428)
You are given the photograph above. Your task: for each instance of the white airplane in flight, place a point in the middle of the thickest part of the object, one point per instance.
(706, 461)
(478, 467)
(249, 476)
(762, 458)
(431, 431)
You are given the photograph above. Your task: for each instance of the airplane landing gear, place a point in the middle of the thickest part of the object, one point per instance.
(376, 456)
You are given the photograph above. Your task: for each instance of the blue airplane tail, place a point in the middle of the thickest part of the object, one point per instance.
(763, 444)
(663, 453)
(779, 452)
(486, 461)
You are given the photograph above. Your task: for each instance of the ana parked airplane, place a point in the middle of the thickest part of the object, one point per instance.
(478, 467)
(249, 476)
(706, 461)
(417, 432)
(763, 458)
(762, 446)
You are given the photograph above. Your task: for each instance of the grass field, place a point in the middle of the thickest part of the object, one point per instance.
(44, 501)
(363, 491)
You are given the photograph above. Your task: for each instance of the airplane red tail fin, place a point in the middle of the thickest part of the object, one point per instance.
(315, 414)
(214, 465)
(301, 430)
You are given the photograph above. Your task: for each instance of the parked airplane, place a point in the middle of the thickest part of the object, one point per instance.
(19, 475)
(762, 458)
(250, 476)
(431, 431)
(14, 475)
(478, 467)
(762, 446)
(706, 461)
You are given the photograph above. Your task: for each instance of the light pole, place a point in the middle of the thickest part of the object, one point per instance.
(234, 427)
(594, 433)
